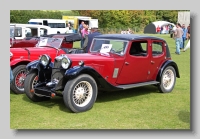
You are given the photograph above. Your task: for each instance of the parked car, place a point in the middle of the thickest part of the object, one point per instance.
(115, 62)
(25, 35)
(53, 46)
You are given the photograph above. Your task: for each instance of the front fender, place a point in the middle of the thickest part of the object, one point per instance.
(32, 65)
(16, 61)
(166, 64)
(43, 72)
(36, 65)
(102, 83)
(77, 70)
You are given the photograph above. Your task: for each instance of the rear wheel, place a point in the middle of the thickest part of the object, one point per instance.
(29, 83)
(168, 80)
(17, 84)
(80, 93)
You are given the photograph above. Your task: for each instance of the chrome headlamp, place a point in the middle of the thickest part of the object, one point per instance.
(45, 60)
(65, 62)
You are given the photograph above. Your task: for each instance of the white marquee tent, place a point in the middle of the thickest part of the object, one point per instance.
(151, 28)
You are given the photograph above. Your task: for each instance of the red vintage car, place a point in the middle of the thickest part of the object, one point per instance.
(115, 62)
(20, 57)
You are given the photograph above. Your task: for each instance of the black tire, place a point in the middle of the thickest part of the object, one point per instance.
(69, 98)
(169, 71)
(17, 71)
(28, 86)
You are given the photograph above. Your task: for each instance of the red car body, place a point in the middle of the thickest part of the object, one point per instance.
(23, 42)
(22, 56)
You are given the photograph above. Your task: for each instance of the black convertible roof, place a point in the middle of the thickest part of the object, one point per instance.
(127, 37)
(69, 37)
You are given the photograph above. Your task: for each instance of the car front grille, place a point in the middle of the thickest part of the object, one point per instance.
(57, 71)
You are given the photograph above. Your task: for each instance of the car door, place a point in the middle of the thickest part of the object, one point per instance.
(136, 66)
(158, 55)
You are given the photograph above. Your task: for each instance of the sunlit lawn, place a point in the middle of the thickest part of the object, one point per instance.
(138, 108)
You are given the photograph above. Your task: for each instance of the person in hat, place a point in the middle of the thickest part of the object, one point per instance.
(89, 38)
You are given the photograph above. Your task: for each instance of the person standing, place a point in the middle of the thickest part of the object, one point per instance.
(184, 36)
(188, 32)
(171, 31)
(167, 29)
(158, 29)
(84, 32)
(69, 29)
(89, 38)
(80, 29)
(178, 38)
(161, 31)
(188, 38)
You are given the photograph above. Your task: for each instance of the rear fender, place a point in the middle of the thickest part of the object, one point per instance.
(166, 64)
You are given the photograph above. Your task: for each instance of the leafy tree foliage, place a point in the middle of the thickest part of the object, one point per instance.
(129, 18)
(23, 16)
(107, 18)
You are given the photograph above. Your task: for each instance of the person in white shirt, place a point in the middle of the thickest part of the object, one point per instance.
(174, 28)
(127, 32)
(69, 29)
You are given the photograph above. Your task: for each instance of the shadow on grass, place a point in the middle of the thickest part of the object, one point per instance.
(57, 101)
(112, 96)
(184, 116)
(101, 98)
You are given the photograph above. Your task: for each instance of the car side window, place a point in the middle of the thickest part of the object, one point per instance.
(18, 32)
(43, 31)
(118, 46)
(139, 48)
(157, 48)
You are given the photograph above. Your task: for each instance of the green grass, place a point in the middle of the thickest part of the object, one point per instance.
(138, 108)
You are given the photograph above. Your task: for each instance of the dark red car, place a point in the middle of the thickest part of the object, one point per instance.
(28, 41)
(53, 45)
(115, 62)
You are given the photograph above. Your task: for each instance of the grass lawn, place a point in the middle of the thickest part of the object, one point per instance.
(138, 108)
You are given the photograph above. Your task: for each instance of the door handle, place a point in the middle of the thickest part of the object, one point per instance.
(152, 62)
(126, 63)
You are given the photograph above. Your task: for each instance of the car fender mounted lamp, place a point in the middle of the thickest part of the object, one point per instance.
(81, 63)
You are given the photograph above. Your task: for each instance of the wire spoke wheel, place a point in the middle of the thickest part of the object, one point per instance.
(168, 80)
(19, 80)
(82, 93)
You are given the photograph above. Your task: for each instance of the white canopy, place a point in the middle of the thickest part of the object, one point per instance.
(162, 23)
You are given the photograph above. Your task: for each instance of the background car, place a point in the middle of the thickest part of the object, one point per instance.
(115, 62)
(53, 46)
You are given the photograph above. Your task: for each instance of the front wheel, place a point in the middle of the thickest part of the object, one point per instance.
(168, 80)
(80, 93)
(29, 83)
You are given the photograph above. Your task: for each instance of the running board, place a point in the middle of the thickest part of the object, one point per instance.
(137, 85)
